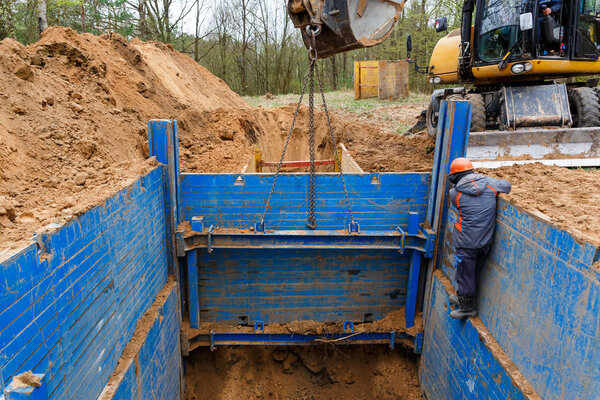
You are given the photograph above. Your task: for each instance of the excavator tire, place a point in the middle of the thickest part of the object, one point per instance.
(477, 112)
(477, 116)
(431, 121)
(585, 108)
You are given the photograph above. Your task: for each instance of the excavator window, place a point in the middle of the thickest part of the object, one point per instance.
(587, 36)
(499, 28)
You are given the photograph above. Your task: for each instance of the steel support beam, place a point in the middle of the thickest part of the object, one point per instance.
(213, 239)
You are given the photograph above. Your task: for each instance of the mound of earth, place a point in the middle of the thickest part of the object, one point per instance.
(73, 119)
(73, 116)
(567, 198)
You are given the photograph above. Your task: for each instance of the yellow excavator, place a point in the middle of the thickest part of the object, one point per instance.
(507, 56)
(512, 53)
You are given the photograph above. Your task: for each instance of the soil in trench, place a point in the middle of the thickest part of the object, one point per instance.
(302, 373)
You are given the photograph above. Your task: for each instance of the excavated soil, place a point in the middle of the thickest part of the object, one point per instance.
(73, 115)
(302, 373)
(567, 198)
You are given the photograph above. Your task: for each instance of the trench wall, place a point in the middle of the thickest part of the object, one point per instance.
(283, 285)
(457, 361)
(539, 298)
(69, 306)
(154, 370)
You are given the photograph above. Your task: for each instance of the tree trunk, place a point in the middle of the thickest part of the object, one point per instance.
(42, 19)
(334, 74)
(82, 9)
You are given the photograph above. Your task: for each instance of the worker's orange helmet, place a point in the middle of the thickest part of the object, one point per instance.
(461, 164)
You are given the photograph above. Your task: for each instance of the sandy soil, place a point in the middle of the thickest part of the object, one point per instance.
(73, 126)
(302, 373)
(73, 132)
(567, 198)
(393, 321)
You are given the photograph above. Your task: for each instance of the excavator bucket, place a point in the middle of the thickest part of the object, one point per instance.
(347, 24)
(565, 147)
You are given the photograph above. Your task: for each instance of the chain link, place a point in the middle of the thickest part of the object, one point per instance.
(333, 142)
(287, 142)
(309, 80)
(311, 222)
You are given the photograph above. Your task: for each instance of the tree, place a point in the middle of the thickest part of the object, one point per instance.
(42, 19)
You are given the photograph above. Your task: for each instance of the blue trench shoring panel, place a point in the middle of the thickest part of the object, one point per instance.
(288, 272)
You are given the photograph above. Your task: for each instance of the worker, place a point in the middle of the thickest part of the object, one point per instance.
(474, 196)
(552, 6)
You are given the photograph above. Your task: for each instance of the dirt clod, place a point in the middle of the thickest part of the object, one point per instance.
(23, 71)
(26, 379)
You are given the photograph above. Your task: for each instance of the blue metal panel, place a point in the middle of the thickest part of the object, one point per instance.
(155, 370)
(296, 274)
(457, 362)
(70, 313)
(377, 204)
(540, 298)
(287, 285)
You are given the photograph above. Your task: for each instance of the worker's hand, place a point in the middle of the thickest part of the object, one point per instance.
(547, 11)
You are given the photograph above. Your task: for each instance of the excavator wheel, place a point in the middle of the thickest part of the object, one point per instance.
(477, 115)
(431, 121)
(585, 109)
(478, 112)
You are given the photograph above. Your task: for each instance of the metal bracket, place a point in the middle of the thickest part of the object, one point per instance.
(179, 243)
(261, 324)
(353, 227)
(259, 227)
(403, 235)
(429, 241)
(418, 343)
(209, 238)
(392, 340)
(197, 224)
(212, 341)
(349, 324)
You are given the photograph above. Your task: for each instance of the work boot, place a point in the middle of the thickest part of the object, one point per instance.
(466, 308)
(454, 301)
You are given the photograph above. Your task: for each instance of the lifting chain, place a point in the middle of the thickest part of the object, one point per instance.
(309, 80)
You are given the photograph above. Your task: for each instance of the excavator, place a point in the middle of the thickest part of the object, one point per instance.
(512, 53)
(520, 63)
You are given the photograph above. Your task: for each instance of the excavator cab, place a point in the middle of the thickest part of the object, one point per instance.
(344, 25)
(509, 57)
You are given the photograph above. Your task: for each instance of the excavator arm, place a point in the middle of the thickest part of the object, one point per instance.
(345, 25)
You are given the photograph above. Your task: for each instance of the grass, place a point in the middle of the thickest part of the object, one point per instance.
(341, 99)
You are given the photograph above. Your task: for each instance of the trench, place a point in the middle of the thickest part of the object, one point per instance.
(302, 373)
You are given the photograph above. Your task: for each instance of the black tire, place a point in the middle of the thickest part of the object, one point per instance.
(431, 120)
(585, 109)
(478, 118)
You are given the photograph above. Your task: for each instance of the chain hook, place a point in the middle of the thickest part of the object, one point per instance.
(313, 31)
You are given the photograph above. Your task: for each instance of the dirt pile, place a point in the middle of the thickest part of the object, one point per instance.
(302, 373)
(235, 133)
(567, 198)
(73, 116)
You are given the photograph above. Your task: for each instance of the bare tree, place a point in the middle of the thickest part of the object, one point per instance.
(161, 13)
(42, 19)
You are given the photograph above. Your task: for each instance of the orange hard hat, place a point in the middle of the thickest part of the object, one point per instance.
(460, 164)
